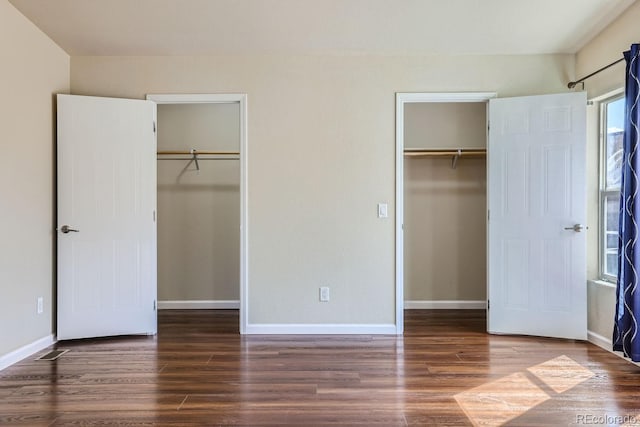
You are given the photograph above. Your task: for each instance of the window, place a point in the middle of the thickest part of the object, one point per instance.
(611, 133)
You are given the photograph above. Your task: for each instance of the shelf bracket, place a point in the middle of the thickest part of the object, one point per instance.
(194, 153)
(454, 159)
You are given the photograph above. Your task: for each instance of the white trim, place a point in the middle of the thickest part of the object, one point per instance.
(401, 99)
(603, 192)
(446, 305)
(615, 92)
(240, 98)
(603, 283)
(26, 351)
(244, 214)
(320, 329)
(199, 305)
(600, 341)
(606, 344)
(486, 227)
(196, 98)
(445, 96)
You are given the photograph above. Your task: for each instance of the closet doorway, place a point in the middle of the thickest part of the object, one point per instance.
(440, 201)
(202, 214)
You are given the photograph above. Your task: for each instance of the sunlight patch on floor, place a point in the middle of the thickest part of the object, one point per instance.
(499, 401)
(561, 373)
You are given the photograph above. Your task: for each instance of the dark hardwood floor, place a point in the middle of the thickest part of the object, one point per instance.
(445, 370)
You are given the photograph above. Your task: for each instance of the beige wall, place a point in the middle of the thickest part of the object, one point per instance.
(602, 50)
(601, 307)
(445, 208)
(320, 157)
(33, 70)
(605, 48)
(445, 125)
(198, 211)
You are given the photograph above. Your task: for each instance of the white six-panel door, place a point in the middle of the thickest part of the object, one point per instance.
(537, 216)
(107, 192)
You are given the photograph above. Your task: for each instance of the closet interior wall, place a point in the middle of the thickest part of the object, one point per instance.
(444, 207)
(198, 210)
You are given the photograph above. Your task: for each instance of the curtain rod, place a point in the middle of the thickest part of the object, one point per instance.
(571, 85)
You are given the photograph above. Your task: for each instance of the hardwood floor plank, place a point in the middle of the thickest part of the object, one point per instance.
(198, 371)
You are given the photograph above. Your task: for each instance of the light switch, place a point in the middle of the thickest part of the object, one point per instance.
(382, 210)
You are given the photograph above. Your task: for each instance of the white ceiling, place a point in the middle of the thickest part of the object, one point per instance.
(413, 27)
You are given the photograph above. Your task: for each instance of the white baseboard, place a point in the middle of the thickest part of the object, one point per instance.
(320, 329)
(606, 344)
(445, 305)
(599, 340)
(199, 305)
(26, 351)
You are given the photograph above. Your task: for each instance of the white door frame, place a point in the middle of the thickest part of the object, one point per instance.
(401, 99)
(227, 98)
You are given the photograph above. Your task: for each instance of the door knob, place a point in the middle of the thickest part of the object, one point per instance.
(577, 228)
(66, 229)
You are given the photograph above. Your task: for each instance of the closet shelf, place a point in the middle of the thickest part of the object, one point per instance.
(454, 153)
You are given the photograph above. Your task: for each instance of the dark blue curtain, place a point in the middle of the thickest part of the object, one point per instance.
(626, 336)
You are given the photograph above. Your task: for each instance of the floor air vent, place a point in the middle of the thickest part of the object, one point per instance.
(52, 355)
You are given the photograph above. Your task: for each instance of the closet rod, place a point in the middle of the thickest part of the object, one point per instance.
(440, 152)
(198, 152)
(200, 158)
(195, 155)
(454, 153)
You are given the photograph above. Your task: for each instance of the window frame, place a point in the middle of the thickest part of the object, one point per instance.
(603, 191)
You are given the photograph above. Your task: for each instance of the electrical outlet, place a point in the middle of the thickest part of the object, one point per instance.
(40, 305)
(324, 294)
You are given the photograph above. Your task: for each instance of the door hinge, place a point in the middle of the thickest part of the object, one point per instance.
(154, 216)
(154, 126)
(488, 126)
(488, 214)
(488, 304)
(154, 305)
